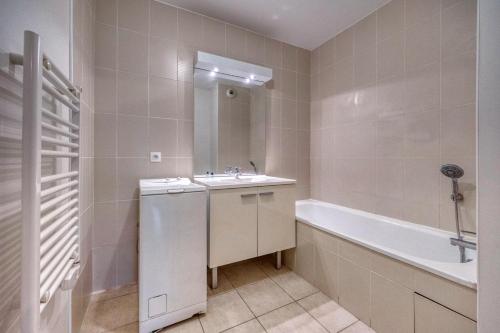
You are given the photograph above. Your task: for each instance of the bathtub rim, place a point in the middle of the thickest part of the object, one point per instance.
(463, 274)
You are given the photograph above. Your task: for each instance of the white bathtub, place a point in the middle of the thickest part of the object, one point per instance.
(424, 247)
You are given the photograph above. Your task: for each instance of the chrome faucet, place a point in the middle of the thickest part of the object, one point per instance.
(454, 172)
(236, 171)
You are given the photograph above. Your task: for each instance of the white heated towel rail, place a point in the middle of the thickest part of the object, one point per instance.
(50, 241)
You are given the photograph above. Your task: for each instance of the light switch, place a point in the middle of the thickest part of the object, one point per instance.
(155, 157)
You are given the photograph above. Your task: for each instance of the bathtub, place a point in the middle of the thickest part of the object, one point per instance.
(424, 247)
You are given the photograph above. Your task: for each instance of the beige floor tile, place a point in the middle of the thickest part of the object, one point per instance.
(223, 284)
(292, 283)
(113, 293)
(130, 328)
(191, 325)
(111, 314)
(263, 296)
(252, 326)
(331, 315)
(358, 327)
(290, 318)
(245, 273)
(225, 311)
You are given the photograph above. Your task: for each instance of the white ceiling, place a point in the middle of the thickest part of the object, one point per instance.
(304, 23)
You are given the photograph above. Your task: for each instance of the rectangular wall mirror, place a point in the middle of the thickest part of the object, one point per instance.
(230, 116)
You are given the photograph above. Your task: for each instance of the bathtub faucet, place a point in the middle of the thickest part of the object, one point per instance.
(454, 172)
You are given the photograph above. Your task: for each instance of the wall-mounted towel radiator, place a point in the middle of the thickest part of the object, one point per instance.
(50, 135)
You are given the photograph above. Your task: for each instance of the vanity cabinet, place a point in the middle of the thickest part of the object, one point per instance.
(275, 219)
(249, 222)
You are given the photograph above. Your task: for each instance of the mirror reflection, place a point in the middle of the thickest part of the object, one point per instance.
(230, 125)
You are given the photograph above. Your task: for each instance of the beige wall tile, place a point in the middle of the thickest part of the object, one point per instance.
(391, 97)
(214, 36)
(390, 19)
(390, 57)
(105, 91)
(106, 12)
(354, 289)
(162, 98)
(105, 135)
(304, 61)
(394, 270)
(105, 179)
(418, 10)
(163, 58)
(132, 50)
(236, 42)
(423, 42)
(422, 135)
(133, 15)
(132, 136)
(458, 132)
(128, 173)
(132, 91)
(456, 297)
(190, 27)
(163, 20)
(274, 53)
(104, 229)
(103, 268)
(163, 136)
(344, 45)
(390, 178)
(365, 33)
(459, 28)
(185, 100)
(288, 114)
(458, 80)
(255, 48)
(423, 88)
(391, 306)
(326, 272)
(289, 57)
(105, 44)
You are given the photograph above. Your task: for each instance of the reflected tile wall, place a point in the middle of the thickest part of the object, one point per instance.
(144, 102)
(393, 98)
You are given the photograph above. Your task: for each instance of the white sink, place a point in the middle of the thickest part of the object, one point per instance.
(223, 181)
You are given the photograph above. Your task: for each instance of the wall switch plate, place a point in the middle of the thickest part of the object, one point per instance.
(155, 156)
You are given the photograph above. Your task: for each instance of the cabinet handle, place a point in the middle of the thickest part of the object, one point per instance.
(266, 193)
(248, 195)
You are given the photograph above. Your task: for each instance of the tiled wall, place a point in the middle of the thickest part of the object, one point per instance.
(393, 98)
(144, 102)
(83, 76)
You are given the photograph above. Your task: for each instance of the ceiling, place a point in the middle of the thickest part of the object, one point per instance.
(303, 23)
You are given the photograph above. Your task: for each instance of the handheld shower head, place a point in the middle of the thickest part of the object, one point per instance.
(452, 171)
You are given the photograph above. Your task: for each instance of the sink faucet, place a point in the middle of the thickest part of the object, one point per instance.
(236, 171)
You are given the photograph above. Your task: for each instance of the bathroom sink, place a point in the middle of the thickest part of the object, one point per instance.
(224, 181)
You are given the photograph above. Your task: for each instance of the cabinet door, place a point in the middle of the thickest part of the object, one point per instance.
(276, 222)
(431, 317)
(233, 225)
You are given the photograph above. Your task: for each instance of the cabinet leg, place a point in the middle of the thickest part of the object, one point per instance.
(213, 282)
(278, 260)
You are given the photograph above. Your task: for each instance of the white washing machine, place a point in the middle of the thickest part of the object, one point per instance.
(172, 252)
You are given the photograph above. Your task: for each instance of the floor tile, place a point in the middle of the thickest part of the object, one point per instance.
(191, 325)
(225, 311)
(292, 283)
(252, 326)
(358, 327)
(263, 296)
(248, 272)
(113, 293)
(290, 318)
(111, 314)
(223, 284)
(331, 315)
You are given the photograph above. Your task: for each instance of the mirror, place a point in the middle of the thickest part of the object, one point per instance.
(229, 124)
